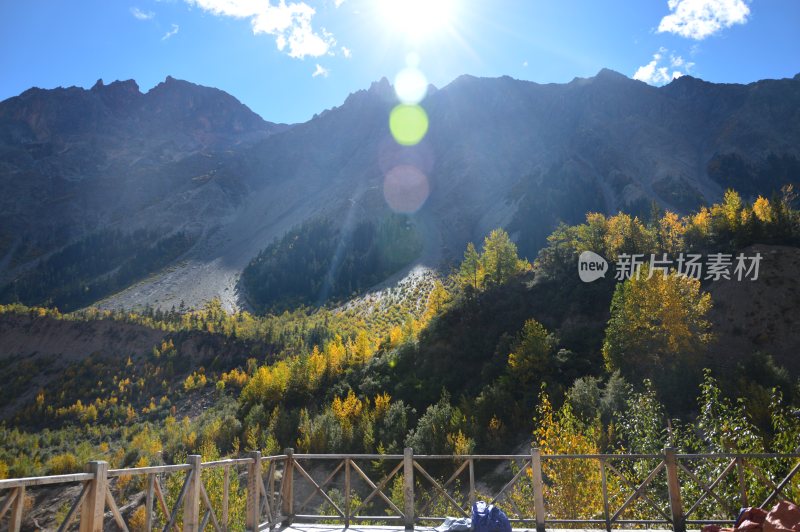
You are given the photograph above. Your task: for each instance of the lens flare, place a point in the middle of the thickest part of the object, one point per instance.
(391, 154)
(405, 189)
(408, 124)
(410, 85)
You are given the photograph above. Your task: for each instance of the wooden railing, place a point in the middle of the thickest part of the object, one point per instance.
(279, 488)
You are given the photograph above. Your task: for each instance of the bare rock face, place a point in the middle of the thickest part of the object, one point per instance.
(498, 152)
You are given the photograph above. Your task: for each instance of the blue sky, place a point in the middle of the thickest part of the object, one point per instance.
(290, 59)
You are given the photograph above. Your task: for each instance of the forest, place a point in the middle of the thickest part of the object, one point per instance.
(94, 267)
(318, 261)
(501, 352)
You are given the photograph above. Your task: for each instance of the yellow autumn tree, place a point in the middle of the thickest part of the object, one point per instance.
(763, 211)
(572, 487)
(437, 299)
(336, 352)
(671, 231)
(658, 327)
(317, 365)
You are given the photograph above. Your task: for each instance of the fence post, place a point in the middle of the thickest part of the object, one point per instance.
(18, 506)
(287, 494)
(538, 488)
(253, 493)
(191, 502)
(94, 504)
(604, 486)
(674, 490)
(226, 488)
(347, 493)
(148, 501)
(408, 487)
(742, 483)
(471, 483)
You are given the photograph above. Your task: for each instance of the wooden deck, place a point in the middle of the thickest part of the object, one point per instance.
(305, 527)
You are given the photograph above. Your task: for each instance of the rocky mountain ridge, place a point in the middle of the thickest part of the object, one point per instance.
(499, 152)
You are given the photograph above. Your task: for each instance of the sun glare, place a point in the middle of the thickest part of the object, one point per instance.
(417, 19)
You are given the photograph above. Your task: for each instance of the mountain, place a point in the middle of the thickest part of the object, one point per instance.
(76, 160)
(192, 164)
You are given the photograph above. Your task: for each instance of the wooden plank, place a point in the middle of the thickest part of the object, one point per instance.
(226, 488)
(162, 502)
(440, 489)
(347, 493)
(44, 481)
(508, 485)
(268, 503)
(472, 496)
(379, 489)
(319, 490)
(408, 487)
(227, 462)
(638, 491)
(253, 502)
(74, 509)
(742, 483)
(604, 487)
(369, 482)
(148, 502)
(781, 485)
(191, 502)
(12, 494)
(322, 485)
(271, 483)
(709, 490)
(538, 488)
(112, 505)
(265, 505)
(149, 470)
(674, 491)
(207, 502)
(17, 509)
(449, 481)
(287, 487)
(93, 506)
(174, 515)
(763, 478)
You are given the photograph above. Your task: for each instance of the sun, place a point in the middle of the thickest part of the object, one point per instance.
(417, 20)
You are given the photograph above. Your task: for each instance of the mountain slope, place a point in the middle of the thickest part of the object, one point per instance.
(499, 152)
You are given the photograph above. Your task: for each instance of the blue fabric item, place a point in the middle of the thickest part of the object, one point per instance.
(489, 518)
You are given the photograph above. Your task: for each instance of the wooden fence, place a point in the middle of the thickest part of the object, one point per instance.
(279, 488)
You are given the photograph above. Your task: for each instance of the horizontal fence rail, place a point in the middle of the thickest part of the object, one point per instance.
(264, 492)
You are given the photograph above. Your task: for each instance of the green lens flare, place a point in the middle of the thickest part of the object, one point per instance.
(408, 124)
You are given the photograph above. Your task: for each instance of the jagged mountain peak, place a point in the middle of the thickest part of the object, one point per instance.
(380, 90)
(381, 86)
(128, 85)
(608, 74)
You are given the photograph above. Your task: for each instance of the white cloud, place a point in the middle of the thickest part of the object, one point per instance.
(656, 74)
(320, 71)
(138, 14)
(525, 64)
(338, 2)
(347, 52)
(290, 23)
(698, 19)
(175, 29)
